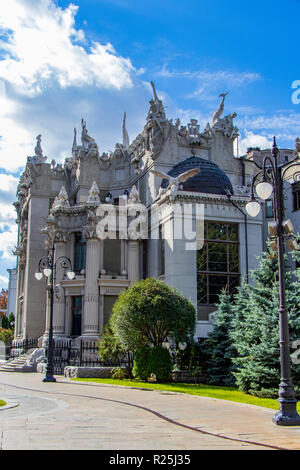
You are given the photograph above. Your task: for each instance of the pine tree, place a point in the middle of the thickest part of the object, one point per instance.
(219, 345)
(255, 328)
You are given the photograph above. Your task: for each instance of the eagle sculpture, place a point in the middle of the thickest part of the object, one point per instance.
(175, 182)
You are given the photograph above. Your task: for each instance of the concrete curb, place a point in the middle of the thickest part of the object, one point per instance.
(9, 404)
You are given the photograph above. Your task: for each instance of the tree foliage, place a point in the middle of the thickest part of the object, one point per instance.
(156, 360)
(219, 345)
(244, 346)
(3, 299)
(110, 347)
(149, 312)
(6, 335)
(255, 328)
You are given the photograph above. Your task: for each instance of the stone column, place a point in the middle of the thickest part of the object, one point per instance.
(91, 302)
(133, 261)
(59, 297)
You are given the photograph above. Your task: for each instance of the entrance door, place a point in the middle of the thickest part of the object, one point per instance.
(76, 315)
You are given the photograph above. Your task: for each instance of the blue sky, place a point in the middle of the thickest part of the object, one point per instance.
(61, 61)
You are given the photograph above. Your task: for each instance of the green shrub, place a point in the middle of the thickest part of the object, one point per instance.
(156, 360)
(110, 347)
(118, 373)
(4, 323)
(141, 363)
(11, 321)
(151, 311)
(160, 363)
(6, 336)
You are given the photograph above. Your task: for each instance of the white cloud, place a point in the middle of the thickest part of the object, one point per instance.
(8, 241)
(278, 121)
(8, 183)
(41, 44)
(252, 140)
(3, 281)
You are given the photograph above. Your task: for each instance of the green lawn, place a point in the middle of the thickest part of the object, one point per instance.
(223, 393)
(2, 403)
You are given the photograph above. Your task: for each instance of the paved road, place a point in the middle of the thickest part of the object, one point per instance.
(68, 415)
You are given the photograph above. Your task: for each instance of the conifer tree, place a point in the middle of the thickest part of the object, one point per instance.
(219, 345)
(255, 328)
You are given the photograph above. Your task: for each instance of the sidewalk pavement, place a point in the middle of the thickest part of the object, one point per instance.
(70, 415)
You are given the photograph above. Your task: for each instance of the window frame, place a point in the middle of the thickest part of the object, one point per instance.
(296, 197)
(207, 273)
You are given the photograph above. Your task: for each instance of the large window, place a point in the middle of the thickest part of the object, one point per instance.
(80, 252)
(296, 197)
(217, 265)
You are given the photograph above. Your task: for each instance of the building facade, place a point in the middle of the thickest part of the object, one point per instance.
(168, 205)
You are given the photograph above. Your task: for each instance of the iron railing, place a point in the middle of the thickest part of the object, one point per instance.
(67, 352)
(21, 346)
(83, 354)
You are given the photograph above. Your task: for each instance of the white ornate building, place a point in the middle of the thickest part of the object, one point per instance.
(66, 203)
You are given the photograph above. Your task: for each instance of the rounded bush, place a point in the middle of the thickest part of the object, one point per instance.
(151, 311)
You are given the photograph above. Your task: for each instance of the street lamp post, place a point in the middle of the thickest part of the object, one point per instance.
(271, 178)
(47, 266)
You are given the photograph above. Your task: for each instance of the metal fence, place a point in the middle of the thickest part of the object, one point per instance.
(66, 352)
(21, 346)
(83, 354)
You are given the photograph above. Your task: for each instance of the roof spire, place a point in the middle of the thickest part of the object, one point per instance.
(125, 133)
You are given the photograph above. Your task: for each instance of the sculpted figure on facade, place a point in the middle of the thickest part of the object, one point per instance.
(134, 197)
(94, 195)
(216, 116)
(137, 149)
(174, 183)
(90, 229)
(71, 184)
(89, 146)
(37, 159)
(105, 160)
(62, 200)
(157, 125)
(225, 124)
(297, 148)
(190, 134)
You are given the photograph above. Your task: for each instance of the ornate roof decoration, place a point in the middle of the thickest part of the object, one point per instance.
(94, 194)
(38, 157)
(88, 147)
(62, 200)
(191, 135)
(125, 134)
(134, 197)
(225, 124)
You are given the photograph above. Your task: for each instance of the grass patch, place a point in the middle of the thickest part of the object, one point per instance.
(2, 403)
(223, 393)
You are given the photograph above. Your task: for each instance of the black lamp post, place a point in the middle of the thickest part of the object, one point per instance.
(47, 266)
(271, 178)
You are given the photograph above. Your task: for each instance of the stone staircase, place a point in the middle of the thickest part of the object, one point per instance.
(17, 364)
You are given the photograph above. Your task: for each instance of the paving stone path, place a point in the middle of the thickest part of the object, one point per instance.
(67, 415)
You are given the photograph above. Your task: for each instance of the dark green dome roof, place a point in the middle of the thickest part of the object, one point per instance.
(211, 178)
